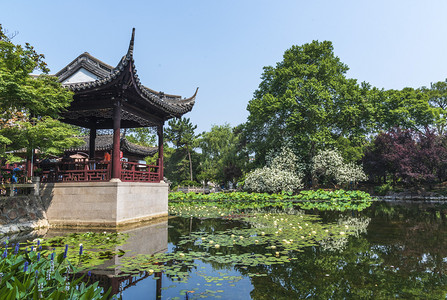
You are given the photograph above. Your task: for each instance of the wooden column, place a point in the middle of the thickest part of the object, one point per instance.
(160, 151)
(116, 164)
(158, 285)
(92, 143)
(29, 167)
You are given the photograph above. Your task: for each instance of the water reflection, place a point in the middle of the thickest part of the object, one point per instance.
(399, 251)
(402, 255)
(148, 239)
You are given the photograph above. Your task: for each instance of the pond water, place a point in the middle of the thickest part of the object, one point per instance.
(386, 251)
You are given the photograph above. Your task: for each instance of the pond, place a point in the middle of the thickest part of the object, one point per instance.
(385, 251)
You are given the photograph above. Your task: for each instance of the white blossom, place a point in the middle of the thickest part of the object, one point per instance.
(283, 172)
(329, 164)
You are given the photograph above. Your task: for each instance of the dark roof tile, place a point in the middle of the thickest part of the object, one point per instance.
(105, 143)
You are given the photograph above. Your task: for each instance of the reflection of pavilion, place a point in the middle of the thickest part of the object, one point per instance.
(147, 239)
(101, 191)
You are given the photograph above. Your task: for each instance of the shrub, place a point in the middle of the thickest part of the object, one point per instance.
(414, 157)
(329, 167)
(190, 183)
(383, 189)
(283, 173)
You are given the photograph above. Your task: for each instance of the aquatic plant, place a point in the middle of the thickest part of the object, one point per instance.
(340, 200)
(94, 247)
(265, 238)
(41, 274)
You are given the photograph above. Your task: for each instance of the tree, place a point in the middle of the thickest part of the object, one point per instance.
(144, 136)
(438, 100)
(407, 108)
(181, 134)
(220, 154)
(410, 155)
(307, 101)
(29, 105)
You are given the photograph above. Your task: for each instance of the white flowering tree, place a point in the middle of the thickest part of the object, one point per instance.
(328, 166)
(283, 172)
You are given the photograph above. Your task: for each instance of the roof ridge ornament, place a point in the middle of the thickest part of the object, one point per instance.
(132, 40)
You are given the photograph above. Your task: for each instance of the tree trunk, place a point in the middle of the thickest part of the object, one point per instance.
(313, 176)
(190, 164)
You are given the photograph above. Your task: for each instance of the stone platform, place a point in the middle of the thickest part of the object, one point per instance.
(103, 204)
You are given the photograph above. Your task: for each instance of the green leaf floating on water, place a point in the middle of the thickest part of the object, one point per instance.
(232, 205)
(97, 247)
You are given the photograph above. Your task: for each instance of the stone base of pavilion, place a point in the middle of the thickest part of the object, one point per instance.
(104, 204)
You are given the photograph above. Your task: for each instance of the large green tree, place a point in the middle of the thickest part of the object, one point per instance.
(408, 108)
(29, 105)
(180, 164)
(221, 160)
(307, 101)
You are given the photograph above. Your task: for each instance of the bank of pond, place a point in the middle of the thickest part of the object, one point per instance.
(314, 245)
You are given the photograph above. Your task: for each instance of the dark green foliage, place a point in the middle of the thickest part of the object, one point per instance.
(30, 104)
(306, 100)
(144, 136)
(181, 163)
(190, 183)
(438, 100)
(221, 160)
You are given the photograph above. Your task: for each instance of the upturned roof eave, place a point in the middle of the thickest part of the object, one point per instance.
(172, 105)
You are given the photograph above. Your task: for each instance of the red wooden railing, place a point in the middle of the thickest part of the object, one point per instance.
(139, 172)
(90, 171)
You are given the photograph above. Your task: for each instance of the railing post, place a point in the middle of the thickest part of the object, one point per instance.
(132, 169)
(36, 183)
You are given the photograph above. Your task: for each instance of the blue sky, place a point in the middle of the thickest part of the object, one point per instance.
(222, 46)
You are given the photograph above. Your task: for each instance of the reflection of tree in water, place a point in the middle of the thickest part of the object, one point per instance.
(179, 227)
(401, 256)
(417, 240)
(359, 272)
(358, 225)
(395, 251)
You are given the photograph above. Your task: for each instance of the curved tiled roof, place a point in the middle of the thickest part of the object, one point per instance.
(88, 62)
(171, 104)
(105, 143)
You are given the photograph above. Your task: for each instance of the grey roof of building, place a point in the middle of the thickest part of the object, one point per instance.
(106, 74)
(105, 143)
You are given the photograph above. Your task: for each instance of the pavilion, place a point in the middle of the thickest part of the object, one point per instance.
(107, 97)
